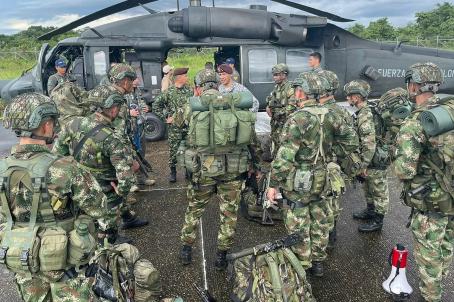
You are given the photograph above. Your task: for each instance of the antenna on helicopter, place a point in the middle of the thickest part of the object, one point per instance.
(178, 5)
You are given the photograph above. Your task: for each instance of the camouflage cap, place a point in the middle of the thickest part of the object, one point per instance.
(280, 68)
(205, 76)
(332, 80)
(26, 112)
(121, 70)
(422, 73)
(311, 83)
(360, 87)
(105, 97)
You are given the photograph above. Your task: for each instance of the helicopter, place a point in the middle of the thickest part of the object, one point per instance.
(256, 38)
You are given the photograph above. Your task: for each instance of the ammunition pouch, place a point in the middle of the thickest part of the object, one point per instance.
(381, 159)
(53, 252)
(351, 164)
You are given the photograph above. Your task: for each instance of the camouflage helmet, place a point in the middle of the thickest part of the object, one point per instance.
(27, 111)
(360, 87)
(102, 97)
(392, 99)
(311, 83)
(121, 70)
(280, 68)
(332, 79)
(205, 76)
(424, 73)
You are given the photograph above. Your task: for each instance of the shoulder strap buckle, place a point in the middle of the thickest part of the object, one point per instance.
(3, 251)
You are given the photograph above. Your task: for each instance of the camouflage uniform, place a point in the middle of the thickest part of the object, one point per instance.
(105, 155)
(71, 101)
(227, 187)
(300, 147)
(281, 105)
(167, 104)
(54, 80)
(70, 187)
(433, 230)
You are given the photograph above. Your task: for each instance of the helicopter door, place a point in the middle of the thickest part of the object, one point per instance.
(97, 59)
(256, 64)
(39, 83)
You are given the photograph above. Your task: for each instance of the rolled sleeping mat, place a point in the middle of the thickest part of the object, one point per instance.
(241, 100)
(436, 121)
(402, 112)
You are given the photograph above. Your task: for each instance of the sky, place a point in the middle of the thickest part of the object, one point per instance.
(20, 14)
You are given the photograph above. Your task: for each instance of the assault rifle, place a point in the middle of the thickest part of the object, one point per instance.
(264, 248)
(204, 294)
(423, 190)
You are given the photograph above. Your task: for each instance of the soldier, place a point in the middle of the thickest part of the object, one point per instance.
(95, 144)
(40, 189)
(235, 74)
(329, 102)
(315, 59)
(278, 105)
(304, 162)
(419, 163)
(226, 185)
(59, 77)
(228, 85)
(166, 106)
(373, 167)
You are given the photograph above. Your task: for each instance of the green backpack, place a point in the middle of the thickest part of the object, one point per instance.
(274, 275)
(221, 120)
(30, 247)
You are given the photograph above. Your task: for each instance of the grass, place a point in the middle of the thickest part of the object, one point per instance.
(194, 61)
(12, 68)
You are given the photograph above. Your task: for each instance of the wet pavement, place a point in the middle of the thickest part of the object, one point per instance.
(355, 269)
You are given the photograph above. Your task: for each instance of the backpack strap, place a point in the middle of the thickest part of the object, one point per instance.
(275, 277)
(319, 113)
(87, 135)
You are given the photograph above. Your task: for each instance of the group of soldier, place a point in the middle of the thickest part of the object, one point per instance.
(317, 147)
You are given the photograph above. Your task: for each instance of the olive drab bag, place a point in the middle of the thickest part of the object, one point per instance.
(121, 275)
(274, 276)
(438, 124)
(31, 246)
(71, 101)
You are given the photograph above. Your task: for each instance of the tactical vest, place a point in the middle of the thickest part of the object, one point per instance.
(322, 176)
(41, 243)
(220, 129)
(91, 155)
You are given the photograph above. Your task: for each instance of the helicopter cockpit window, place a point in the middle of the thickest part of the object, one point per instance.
(99, 59)
(298, 61)
(260, 63)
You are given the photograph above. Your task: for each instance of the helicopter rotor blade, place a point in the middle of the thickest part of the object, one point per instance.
(113, 9)
(314, 11)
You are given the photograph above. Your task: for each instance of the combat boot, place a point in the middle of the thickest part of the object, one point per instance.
(186, 254)
(317, 269)
(132, 221)
(374, 225)
(173, 174)
(332, 237)
(367, 213)
(221, 260)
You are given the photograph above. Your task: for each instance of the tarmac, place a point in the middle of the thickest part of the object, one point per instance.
(354, 270)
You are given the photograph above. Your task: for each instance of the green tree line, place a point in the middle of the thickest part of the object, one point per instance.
(427, 28)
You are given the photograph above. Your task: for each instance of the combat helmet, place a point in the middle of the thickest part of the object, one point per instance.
(332, 80)
(27, 111)
(104, 98)
(280, 68)
(360, 87)
(428, 75)
(205, 76)
(120, 71)
(311, 83)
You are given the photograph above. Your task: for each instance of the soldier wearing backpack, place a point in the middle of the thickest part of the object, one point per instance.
(424, 163)
(374, 157)
(305, 169)
(49, 204)
(94, 142)
(217, 158)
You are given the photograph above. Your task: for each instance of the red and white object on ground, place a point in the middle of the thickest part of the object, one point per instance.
(397, 284)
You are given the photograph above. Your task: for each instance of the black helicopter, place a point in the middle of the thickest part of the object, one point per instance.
(255, 37)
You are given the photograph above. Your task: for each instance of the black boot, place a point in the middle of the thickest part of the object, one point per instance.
(130, 221)
(173, 174)
(373, 226)
(367, 213)
(332, 237)
(186, 255)
(221, 260)
(317, 269)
